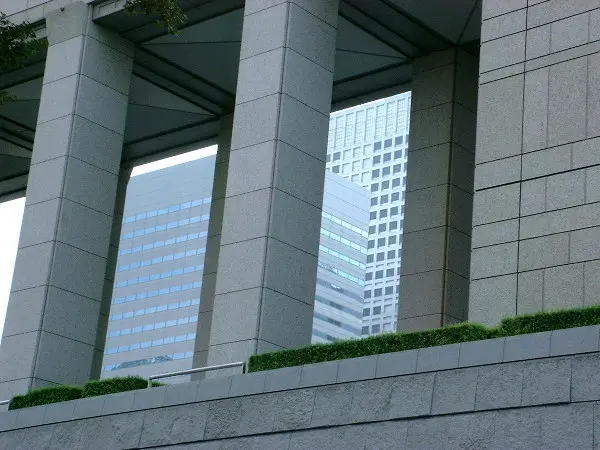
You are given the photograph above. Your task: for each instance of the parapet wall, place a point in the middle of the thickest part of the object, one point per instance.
(532, 391)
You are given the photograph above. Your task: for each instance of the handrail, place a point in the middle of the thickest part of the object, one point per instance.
(196, 370)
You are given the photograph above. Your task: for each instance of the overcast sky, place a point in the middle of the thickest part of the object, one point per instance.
(11, 214)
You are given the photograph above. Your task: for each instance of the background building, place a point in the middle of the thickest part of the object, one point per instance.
(368, 145)
(156, 297)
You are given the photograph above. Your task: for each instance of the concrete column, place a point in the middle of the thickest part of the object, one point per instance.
(272, 210)
(56, 296)
(436, 243)
(213, 244)
(536, 211)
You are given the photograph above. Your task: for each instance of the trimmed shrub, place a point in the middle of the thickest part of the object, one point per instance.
(94, 388)
(374, 345)
(548, 321)
(43, 396)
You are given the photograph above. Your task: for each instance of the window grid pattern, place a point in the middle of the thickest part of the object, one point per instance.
(382, 130)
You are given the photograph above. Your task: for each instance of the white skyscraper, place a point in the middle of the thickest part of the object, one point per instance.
(368, 145)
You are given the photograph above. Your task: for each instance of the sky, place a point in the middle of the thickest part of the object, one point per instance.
(11, 215)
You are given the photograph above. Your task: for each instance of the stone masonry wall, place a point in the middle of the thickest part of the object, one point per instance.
(533, 391)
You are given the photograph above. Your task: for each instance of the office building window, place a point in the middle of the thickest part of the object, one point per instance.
(384, 199)
(374, 201)
(387, 157)
(376, 159)
(393, 225)
(375, 174)
(385, 185)
(380, 242)
(387, 143)
(377, 146)
(382, 227)
(375, 328)
(369, 259)
(374, 187)
(389, 272)
(396, 182)
(392, 240)
(365, 330)
(373, 215)
(380, 256)
(367, 294)
(393, 211)
(372, 229)
(371, 243)
(337, 156)
(335, 169)
(378, 274)
(383, 213)
(398, 140)
(376, 310)
(389, 290)
(385, 171)
(366, 312)
(368, 276)
(395, 196)
(391, 255)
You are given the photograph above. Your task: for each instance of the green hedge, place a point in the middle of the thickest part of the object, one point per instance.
(94, 388)
(43, 396)
(394, 342)
(548, 321)
(385, 343)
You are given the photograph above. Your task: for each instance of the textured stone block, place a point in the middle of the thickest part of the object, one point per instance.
(258, 414)
(355, 369)
(500, 103)
(337, 438)
(527, 346)
(398, 363)
(282, 379)
(585, 382)
(247, 384)
(88, 407)
(317, 374)
(454, 391)
(499, 386)
(569, 32)
(546, 162)
(293, 409)
(531, 292)
(563, 287)
(565, 190)
(502, 52)
(332, 405)
(178, 394)
(118, 403)
(491, 8)
(533, 196)
(371, 400)
(429, 433)
(31, 417)
(472, 430)
(149, 398)
(25, 439)
(544, 251)
(172, 425)
(546, 382)
(574, 340)
(60, 412)
(411, 396)
(494, 260)
(489, 351)
(494, 173)
(8, 420)
(585, 244)
(213, 389)
(438, 358)
(495, 233)
(567, 102)
(223, 418)
(506, 24)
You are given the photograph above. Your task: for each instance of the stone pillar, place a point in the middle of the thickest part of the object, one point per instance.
(436, 243)
(55, 301)
(536, 213)
(213, 244)
(267, 266)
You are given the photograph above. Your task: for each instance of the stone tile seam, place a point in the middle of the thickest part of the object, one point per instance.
(560, 19)
(436, 227)
(48, 284)
(502, 73)
(270, 236)
(75, 114)
(504, 13)
(276, 188)
(288, 2)
(70, 155)
(280, 94)
(452, 184)
(40, 330)
(501, 37)
(537, 63)
(79, 74)
(435, 270)
(105, 257)
(430, 147)
(275, 140)
(569, 232)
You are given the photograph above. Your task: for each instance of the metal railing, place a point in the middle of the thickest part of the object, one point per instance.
(196, 370)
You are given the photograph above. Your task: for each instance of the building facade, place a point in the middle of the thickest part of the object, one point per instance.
(158, 279)
(368, 146)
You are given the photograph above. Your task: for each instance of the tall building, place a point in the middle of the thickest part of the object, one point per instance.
(368, 145)
(342, 261)
(156, 297)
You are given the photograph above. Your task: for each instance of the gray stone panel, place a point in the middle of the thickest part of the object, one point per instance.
(454, 391)
(293, 409)
(411, 396)
(499, 386)
(333, 405)
(173, 425)
(546, 382)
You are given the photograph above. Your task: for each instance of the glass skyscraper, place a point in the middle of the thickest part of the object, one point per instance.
(368, 145)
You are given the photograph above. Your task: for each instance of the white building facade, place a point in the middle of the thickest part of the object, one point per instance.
(368, 145)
